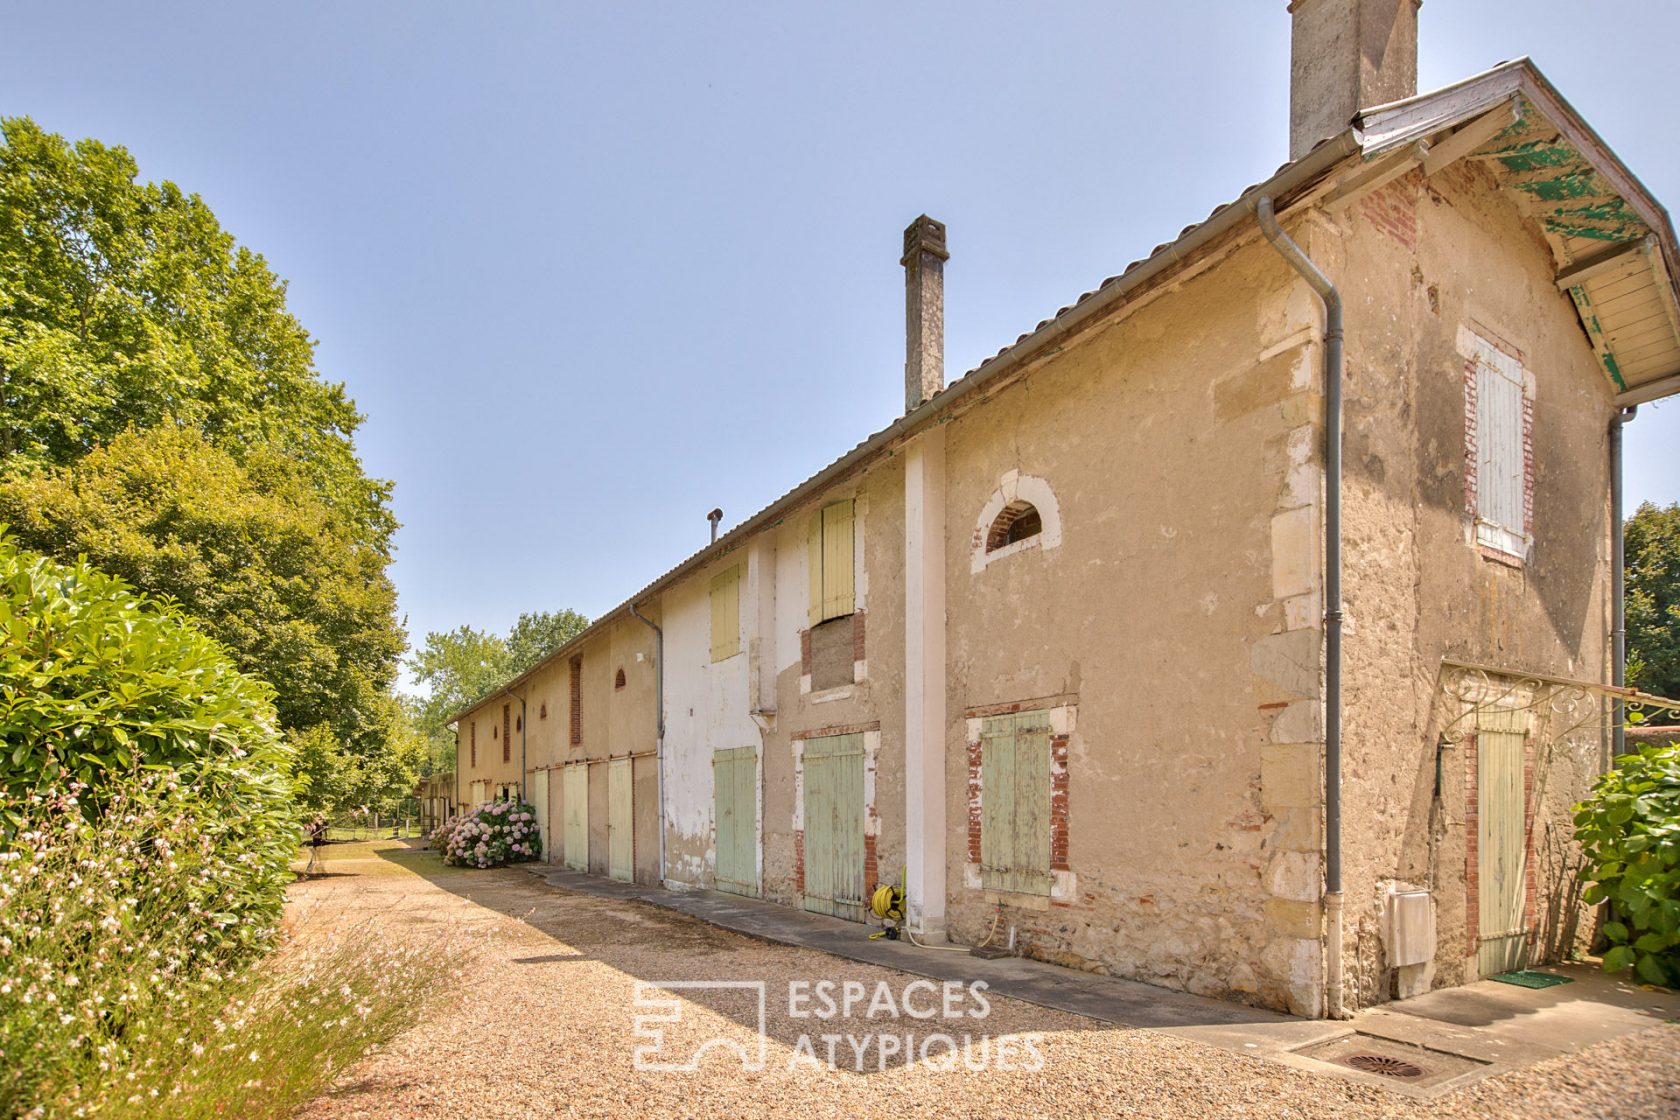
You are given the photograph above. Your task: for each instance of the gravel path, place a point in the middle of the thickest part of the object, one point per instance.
(542, 1024)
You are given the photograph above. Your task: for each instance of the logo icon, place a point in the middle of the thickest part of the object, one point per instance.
(660, 1020)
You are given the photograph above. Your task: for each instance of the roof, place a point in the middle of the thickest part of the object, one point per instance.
(1600, 207)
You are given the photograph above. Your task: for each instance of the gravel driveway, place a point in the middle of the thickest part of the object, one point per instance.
(543, 1023)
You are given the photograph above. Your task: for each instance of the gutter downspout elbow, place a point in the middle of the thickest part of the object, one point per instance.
(659, 721)
(1618, 589)
(1333, 362)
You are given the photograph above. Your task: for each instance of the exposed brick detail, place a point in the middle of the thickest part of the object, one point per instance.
(577, 700)
(1393, 210)
(1471, 462)
(799, 861)
(1059, 803)
(871, 869)
(472, 740)
(1472, 467)
(507, 737)
(974, 801)
(837, 729)
(857, 635)
(1039, 704)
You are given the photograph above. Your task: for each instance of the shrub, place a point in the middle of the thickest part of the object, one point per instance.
(1630, 832)
(146, 823)
(495, 833)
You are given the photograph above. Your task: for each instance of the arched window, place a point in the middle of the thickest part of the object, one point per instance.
(519, 723)
(1018, 521)
(618, 681)
(1022, 515)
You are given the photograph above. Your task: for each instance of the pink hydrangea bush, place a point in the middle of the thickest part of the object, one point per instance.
(495, 833)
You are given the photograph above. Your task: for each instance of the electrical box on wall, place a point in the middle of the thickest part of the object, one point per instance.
(1409, 928)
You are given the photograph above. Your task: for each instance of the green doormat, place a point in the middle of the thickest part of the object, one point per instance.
(1528, 978)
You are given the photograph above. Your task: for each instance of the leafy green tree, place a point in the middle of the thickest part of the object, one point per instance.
(125, 304)
(246, 548)
(1652, 600)
(535, 636)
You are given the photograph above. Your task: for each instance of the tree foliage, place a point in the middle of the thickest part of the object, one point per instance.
(536, 635)
(247, 549)
(1630, 834)
(1652, 537)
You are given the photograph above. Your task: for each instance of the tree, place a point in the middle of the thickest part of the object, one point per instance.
(535, 636)
(248, 549)
(1652, 599)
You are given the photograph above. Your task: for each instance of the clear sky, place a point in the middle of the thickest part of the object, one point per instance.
(591, 269)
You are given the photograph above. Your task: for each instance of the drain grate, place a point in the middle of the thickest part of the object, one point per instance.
(1385, 1065)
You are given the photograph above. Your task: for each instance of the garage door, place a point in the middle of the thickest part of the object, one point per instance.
(621, 834)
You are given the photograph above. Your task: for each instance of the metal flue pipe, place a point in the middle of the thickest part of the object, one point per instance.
(1618, 573)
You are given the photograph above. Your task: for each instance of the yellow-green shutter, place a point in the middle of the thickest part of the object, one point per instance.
(726, 613)
(814, 561)
(839, 584)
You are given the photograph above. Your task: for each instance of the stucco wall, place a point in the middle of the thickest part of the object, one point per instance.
(1423, 262)
(1164, 617)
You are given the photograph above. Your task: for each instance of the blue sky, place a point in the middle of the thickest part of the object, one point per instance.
(593, 269)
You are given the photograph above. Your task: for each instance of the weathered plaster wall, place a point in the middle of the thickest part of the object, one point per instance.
(1422, 262)
(708, 708)
(1177, 616)
(876, 702)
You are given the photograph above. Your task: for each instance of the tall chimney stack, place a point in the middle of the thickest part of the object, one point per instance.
(1344, 56)
(924, 310)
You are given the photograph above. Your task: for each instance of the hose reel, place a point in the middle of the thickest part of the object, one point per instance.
(887, 904)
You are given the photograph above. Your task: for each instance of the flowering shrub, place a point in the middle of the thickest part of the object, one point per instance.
(146, 822)
(495, 833)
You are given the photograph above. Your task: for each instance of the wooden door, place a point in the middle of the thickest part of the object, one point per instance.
(621, 829)
(1501, 839)
(575, 801)
(539, 807)
(834, 826)
(735, 809)
(1015, 803)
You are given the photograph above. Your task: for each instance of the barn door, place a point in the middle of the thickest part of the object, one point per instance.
(735, 805)
(621, 845)
(539, 807)
(1501, 842)
(834, 809)
(575, 801)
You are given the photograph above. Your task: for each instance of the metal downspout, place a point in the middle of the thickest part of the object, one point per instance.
(1310, 272)
(659, 741)
(1618, 572)
(456, 808)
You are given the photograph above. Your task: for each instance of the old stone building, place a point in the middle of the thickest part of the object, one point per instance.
(1247, 627)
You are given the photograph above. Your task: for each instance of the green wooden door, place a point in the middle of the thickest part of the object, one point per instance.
(834, 812)
(1015, 803)
(621, 827)
(574, 795)
(539, 808)
(1501, 839)
(735, 803)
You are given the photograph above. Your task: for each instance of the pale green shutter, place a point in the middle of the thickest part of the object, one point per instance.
(735, 791)
(574, 794)
(621, 847)
(834, 826)
(1015, 803)
(726, 613)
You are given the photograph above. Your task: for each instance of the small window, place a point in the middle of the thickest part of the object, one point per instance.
(618, 681)
(542, 710)
(519, 723)
(726, 613)
(1498, 450)
(1015, 803)
(832, 560)
(472, 740)
(1018, 521)
(492, 731)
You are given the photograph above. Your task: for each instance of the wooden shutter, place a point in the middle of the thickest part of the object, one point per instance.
(621, 820)
(834, 826)
(1500, 460)
(735, 793)
(726, 613)
(1015, 803)
(830, 551)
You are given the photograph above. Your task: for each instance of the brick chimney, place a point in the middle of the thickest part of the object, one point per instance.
(924, 310)
(1346, 55)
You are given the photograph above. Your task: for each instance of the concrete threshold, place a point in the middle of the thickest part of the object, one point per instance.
(1486, 1028)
